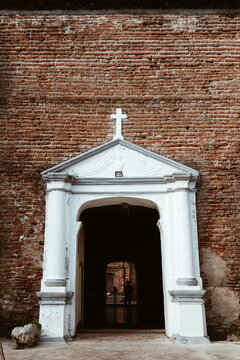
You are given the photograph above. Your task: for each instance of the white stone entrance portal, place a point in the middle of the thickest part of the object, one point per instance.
(114, 173)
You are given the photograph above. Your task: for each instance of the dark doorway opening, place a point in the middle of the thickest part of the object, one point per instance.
(122, 233)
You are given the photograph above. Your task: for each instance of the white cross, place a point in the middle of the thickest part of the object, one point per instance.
(119, 116)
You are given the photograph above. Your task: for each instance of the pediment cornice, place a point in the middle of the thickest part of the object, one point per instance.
(118, 154)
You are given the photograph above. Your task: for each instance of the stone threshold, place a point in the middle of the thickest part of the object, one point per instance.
(113, 331)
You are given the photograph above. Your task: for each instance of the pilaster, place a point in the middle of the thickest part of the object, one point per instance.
(186, 295)
(54, 296)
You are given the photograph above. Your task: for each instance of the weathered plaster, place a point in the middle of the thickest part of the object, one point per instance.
(222, 303)
(214, 267)
(225, 305)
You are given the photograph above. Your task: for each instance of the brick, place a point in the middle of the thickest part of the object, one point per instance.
(177, 78)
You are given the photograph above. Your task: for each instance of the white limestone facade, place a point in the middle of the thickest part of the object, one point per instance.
(115, 173)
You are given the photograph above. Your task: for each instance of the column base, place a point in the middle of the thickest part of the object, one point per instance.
(52, 316)
(52, 340)
(55, 298)
(190, 340)
(188, 296)
(189, 325)
(56, 340)
(55, 282)
(187, 281)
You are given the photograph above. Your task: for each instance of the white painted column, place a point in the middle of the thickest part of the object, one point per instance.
(54, 296)
(188, 324)
(183, 235)
(55, 236)
(55, 232)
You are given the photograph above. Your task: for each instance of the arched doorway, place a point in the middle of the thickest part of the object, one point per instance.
(115, 173)
(112, 233)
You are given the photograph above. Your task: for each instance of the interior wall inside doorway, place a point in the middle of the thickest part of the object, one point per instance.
(122, 233)
(118, 273)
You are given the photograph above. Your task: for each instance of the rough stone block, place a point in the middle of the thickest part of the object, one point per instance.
(27, 335)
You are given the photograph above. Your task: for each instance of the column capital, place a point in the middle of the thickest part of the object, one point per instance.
(58, 181)
(62, 177)
(178, 182)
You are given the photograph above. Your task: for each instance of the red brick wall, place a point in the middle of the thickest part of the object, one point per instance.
(176, 75)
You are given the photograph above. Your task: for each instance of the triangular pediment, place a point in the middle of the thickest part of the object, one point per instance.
(120, 155)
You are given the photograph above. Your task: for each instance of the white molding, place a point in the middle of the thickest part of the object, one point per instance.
(55, 298)
(190, 340)
(124, 143)
(55, 282)
(195, 296)
(172, 193)
(136, 180)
